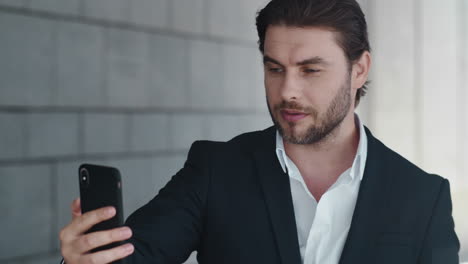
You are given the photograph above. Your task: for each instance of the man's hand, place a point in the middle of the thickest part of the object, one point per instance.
(76, 245)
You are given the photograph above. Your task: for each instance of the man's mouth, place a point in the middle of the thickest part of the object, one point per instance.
(292, 115)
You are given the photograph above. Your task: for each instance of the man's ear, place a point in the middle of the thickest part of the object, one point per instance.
(360, 70)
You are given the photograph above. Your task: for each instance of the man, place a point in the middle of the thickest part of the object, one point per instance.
(315, 188)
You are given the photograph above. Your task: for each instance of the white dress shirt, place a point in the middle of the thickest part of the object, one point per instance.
(322, 227)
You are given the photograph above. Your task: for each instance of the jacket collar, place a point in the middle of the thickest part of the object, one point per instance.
(277, 192)
(373, 193)
(372, 199)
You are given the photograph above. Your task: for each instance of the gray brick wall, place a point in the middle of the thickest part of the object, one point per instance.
(124, 83)
(27, 82)
(81, 83)
(27, 224)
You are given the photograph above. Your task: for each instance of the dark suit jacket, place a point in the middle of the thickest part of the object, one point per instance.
(232, 203)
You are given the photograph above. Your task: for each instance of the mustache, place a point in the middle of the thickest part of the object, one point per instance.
(294, 106)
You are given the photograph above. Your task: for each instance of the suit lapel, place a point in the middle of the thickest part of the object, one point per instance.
(277, 192)
(372, 197)
(367, 216)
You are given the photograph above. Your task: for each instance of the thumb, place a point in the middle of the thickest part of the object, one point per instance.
(76, 208)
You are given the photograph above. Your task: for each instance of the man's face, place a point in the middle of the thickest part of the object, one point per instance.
(307, 81)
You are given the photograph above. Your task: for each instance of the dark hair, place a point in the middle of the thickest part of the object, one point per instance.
(345, 17)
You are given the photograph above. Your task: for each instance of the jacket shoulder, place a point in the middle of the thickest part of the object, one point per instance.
(404, 169)
(245, 142)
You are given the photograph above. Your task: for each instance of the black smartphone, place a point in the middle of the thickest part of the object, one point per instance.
(101, 186)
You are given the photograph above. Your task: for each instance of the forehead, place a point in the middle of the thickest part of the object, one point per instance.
(292, 44)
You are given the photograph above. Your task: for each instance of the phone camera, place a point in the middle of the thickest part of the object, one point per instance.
(84, 176)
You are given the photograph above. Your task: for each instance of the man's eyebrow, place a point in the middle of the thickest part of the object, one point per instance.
(313, 60)
(271, 60)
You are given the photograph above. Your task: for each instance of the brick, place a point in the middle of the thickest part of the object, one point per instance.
(239, 77)
(27, 52)
(128, 73)
(54, 258)
(116, 10)
(253, 63)
(224, 18)
(185, 129)
(258, 83)
(206, 61)
(39, 259)
(188, 16)
(226, 127)
(25, 196)
(223, 127)
(246, 18)
(149, 132)
(234, 19)
(15, 3)
(57, 6)
(52, 134)
(12, 141)
(255, 122)
(150, 12)
(80, 65)
(67, 190)
(105, 133)
(169, 69)
(127, 83)
(129, 44)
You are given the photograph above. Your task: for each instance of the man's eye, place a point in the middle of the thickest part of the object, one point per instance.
(275, 70)
(311, 70)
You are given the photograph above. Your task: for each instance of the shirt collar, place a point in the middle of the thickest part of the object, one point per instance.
(359, 160)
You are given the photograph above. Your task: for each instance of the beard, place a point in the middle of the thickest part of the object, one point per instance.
(324, 124)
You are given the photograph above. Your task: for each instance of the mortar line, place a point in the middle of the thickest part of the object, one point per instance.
(92, 156)
(124, 25)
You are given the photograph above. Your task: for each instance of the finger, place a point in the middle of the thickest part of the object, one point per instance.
(93, 240)
(110, 255)
(76, 208)
(83, 223)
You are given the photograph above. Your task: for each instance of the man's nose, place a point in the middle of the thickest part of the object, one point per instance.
(290, 89)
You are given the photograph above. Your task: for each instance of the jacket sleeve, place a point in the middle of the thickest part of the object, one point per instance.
(168, 228)
(441, 244)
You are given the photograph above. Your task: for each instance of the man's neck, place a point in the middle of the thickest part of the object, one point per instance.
(331, 156)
